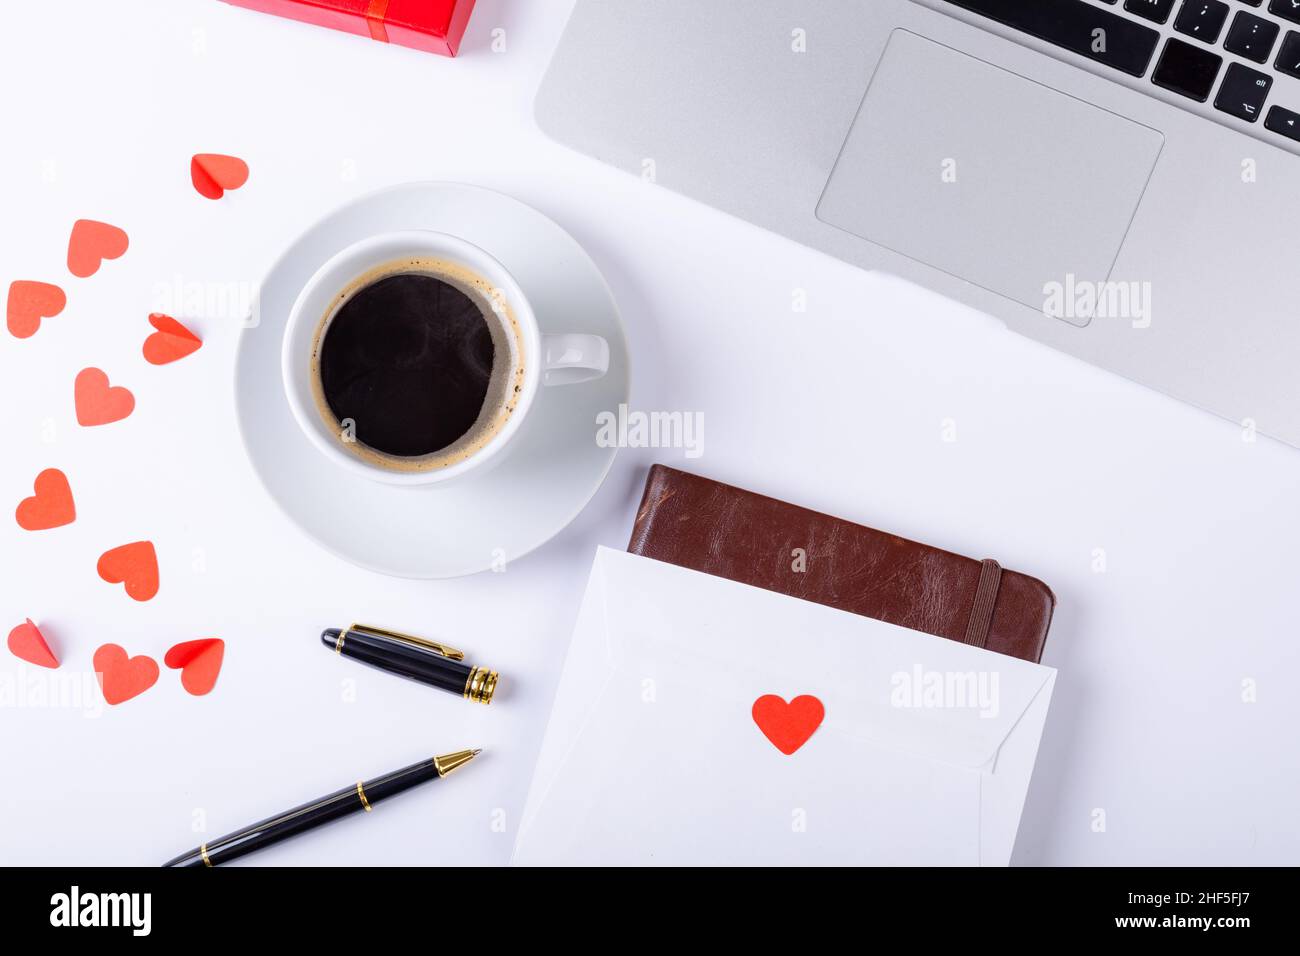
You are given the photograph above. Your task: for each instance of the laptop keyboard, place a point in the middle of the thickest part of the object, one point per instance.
(1220, 53)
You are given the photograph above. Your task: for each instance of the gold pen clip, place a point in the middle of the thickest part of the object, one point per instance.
(444, 649)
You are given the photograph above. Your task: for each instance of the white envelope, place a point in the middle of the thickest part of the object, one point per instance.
(653, 754)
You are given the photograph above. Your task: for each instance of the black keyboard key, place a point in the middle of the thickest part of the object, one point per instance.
(1202, 19)
(1251, 36)
(1186, 69)
(1155, 10)
(1284, 122)
(1074, 25)
(1253, 3)
(1243, 92)
(1286, 9)
(1288, 57)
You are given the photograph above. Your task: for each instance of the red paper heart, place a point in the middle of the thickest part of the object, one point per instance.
(91, 243)
(28, 303)
(99, 403)
(172, 341)
(133, 565)
(213, 174)
(28, 644)
(199, 662)
(790, 725)
(123, 677)
(52, 505)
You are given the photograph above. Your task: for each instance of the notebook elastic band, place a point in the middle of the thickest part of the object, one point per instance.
(986, 595)
(376, 14)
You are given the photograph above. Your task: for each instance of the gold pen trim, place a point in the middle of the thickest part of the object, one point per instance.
(446, 763)
(203, 852)
(480, 685)
(446, 650)
(361, 792)
(338, 645)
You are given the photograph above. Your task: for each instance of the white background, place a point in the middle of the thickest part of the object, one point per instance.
(840, 407)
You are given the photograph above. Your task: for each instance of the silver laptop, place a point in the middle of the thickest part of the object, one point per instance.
(1116, 178)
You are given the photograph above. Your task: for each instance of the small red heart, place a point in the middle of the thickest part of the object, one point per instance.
(790, 725)
(52, 505)
(199, 662)
(134, 565)
(123, 677)
(28, 644)
(213, 174)
(91, 243)
(99, 403)
(172, 341)
(28, 303)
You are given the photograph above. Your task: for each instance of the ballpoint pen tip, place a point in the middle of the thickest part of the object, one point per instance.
(477, 752)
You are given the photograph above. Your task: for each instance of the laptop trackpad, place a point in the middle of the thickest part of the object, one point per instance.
(986, 175)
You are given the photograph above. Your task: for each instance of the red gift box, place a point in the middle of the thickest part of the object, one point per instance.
(433, 25)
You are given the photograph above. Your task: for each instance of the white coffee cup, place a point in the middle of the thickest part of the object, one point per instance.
(548, 358)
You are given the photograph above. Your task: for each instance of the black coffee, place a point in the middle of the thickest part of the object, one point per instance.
(409, 360)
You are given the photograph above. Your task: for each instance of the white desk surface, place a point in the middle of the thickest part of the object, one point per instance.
(840, 407)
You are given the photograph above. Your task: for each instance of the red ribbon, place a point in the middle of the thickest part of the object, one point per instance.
(376, 14)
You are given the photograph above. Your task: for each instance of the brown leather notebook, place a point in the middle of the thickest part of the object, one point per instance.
(702, 524)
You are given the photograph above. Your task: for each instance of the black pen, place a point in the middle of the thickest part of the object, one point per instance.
(361, 796)
(426, 661)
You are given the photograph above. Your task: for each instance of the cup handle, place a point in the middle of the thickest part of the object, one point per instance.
(571, 357)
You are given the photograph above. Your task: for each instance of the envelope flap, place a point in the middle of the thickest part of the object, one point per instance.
(899, 688)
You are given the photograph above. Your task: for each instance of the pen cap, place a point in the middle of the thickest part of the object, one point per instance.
(429, 662)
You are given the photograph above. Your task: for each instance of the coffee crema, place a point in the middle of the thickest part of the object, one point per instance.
(417, 364)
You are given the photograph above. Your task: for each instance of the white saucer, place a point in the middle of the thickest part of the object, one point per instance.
(551, 472)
